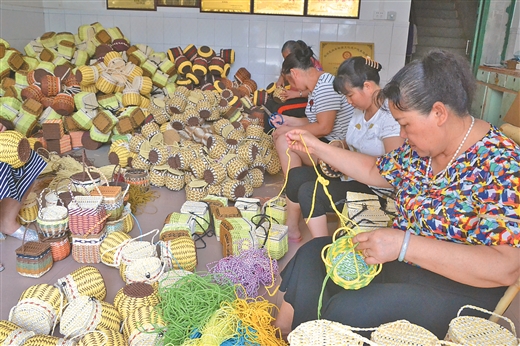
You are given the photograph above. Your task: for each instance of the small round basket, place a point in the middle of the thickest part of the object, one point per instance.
(196, 190)
(11, 334)
(403, 332)
(48, 340)
(29, 210)
(147, 270)
(85, 314)
(324, 332)
(15, 149)
(106, 337)
(174, 179)
(179, 253)
(134, 296)
(471, 330)
(60, 246)
(112, 247)
(133, 251)
(144, 326)
(84, 281)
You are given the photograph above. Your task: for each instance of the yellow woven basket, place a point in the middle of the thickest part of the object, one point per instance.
(84, 281)
(48, 340)
(143, 327)
(112, 247)
(15, 149)
(11, 334)
(105, 337)
(38, 309)
(179, 253)
(86, 314)
(29, 211)
(134, 296)
(471, 330)
(402, 332)
(324, 332)
(136, 249)
(147, 270)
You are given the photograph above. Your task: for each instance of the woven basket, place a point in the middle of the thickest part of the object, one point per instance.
(136, 249)
(272, 162)
(38, 308)
(158, 175)
(324, 332)
(60, 246)
(237, 235)
(143, 327)
(200, 216)
(82, 179)
(221, 213)
(85, 248)
(364, 211)
(29, 210)
(85, 314)
(137, 177)
(147, 270)
(111, 248)
(346, 266)
(112, 200)
(471, 330)
(33, 259)
(15, 149)
(174, 229)
(84, 281)
(179, 253)
(48, 340)
(87, 215)
(52, 220)
(134, 296)
(124, 224)
(233, 189)
(276, 210)
(11, 334)
(196, 190)
(174, 179)
(236, 168)
(403, 332)
(277, 243)
(106, 337)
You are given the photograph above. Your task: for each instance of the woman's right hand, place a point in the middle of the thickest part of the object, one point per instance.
(302, 140)
(2, 127)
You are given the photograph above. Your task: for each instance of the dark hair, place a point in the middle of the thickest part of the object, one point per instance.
(355, 71)
(292, 45)
(299, 58)
(439, 76)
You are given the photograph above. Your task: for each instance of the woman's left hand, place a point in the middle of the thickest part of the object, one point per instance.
(291, 94)
(380, 246)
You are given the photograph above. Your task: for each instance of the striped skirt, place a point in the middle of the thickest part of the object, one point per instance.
(14, 183)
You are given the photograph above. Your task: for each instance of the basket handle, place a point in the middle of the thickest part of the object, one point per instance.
(40, 203)
(119, 172)
(92, 179)
(72, 195)
(97, 170)
(116, 265)
(489, 313)
(96, 224)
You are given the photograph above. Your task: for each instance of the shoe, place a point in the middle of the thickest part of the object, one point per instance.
(30, 235)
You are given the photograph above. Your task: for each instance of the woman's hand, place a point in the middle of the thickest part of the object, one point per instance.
(2, 127)
(303, 141)
(291, 94)
(281, 131)
(280, 82)
(380, 246)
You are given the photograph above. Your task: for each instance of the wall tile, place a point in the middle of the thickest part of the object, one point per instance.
(275, 36)
(72, 22)
(154, 30)
(258, 34)
(106, 20)
(188, 31)
(311, 34)
(346, 32)
(223, 32)
(88, 18)
(293, 31)
(273, 61)
(399, 44)
(329, 32)
(382, 38)
(206, 31)
(396, 63)
(240, 33)
(138, 32)
(365, 33)
(172, 32)
(256, 61)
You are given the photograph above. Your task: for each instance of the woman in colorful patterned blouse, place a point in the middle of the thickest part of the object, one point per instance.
(458, 197)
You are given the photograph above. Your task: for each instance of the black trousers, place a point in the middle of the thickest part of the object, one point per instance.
(300, 189)
(400, 291)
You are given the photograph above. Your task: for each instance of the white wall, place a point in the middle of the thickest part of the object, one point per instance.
(256, 39)
(514, 33)
(21, 21)
(495, 33)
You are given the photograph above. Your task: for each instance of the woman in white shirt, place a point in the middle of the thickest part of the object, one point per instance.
(372, 130)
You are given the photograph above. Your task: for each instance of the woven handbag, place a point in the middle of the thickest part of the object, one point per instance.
(33, 259)
(84, 281)
(60, 246)
(364, 211)
(324, 332)
(124, 224)
(112, 200)
(11, 334)
(144, 326)
(276, 210)
(88, 181)
(15, 149)
(137, 249)
(38, 308)
(472, 330)
(85, 248)
(134, 296)
(273, 237)
(325, 168)
(403, 332)
(174, 179)
(105, 337)
(346, 266)
(147, 270)
(174, 230)
(87, 215)
(200, 217)
(223, 213)
(111, 248)
(85, 314)
(179, 253)
(52, 220)
(29, 210)
(237, 235)
(196, 190)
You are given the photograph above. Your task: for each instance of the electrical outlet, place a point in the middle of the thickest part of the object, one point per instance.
(391, 15)
(379, 15)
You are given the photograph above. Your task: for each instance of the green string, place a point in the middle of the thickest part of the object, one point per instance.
(189, 303)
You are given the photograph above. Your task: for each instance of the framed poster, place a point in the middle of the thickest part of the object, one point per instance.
(141, 5)
(230, 6)
(280, 7)
(332, 54)
(333, 8)
(178, 3)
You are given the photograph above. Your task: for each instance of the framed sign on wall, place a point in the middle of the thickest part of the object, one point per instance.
(332, 54)
(333, 8)
(178, 3)
(279, 7)
(229, 6)
(141, 5)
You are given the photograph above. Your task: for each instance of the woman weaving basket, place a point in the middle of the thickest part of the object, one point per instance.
(372, 131)
(458, 188)
(15, 185)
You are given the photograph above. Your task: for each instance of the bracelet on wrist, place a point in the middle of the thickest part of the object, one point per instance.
(404, 246)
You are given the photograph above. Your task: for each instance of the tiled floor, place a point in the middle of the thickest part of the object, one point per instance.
(12, 284)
